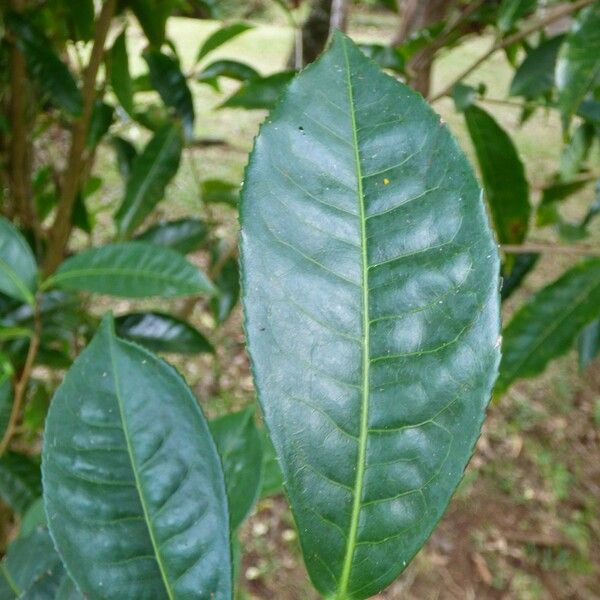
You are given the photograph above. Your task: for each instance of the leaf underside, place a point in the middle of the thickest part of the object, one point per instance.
(133, 486)
(370, 291)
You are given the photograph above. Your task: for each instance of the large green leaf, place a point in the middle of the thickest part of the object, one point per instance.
(240, 449)
(18, 271)
(578, 63)
(51, 74)
(171, 84)
(183, 235)
(503, 176)
(161, 333)
(151, 171)
(370, 285)
(220, 37)
(535, 75)
(19, 481)
(548, 323)
(131, 270)
(120, 77)
(133, 485)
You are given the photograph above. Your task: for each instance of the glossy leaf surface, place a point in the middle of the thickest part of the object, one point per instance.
(162, 333)
(220, 37)
(120, 77)
(535, 75)
(133, 485)
(548, 323)
(240, 449)
(506, 187)
(183, 235)
(367, 266)
(131, 270)
(578, 62)
(44, 65)
(18, 271)
(171, 84)
(151, 171)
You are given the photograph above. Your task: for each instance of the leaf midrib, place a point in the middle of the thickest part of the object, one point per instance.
(364, 411)
(138, 484)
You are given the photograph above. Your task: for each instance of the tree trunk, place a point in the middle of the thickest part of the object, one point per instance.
(324, 17)
(416, 15)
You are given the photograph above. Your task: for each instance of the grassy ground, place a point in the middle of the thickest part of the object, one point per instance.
(524, 523)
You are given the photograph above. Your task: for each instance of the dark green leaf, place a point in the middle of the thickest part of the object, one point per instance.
(28, 563)
(34, 517)
(272, 480)
(220, 37)
(552, 195)
(152, 16)
(6, 394)
(227, 281)
(51, 74)
(503, 176)
(594, 208)
(19, 481)
(578, 61)
(68, 590)
(133, 485)
(367, 265)
(171, 84)
(240, 448)
(588, 344)
(260, 92)
(18, 271)
(161, 333)
(120, 77)
(80, 16)
(521, 266)
(183, 235)
(126, 155)
(589, 110)
(217, 191)
(102, 119)
(535, 75)
(548, 323)
(131, 270)
(152, 170)
(387, 57)
(226, 68)
(576, 151)
(511, 11)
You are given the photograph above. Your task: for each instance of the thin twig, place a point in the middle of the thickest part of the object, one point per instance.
(23, 381)
(500, 44)
(535, 247)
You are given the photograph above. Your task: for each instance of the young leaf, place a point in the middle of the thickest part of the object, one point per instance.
(259, 92)
(50, 73)
(220, 37)
(548, 323)
(535, 75)
(226, 68)
(133, 485)
(171, 84)
(578, 62)
(19, 481)
(18, 270)
(503, 176)
(131, 270)
(183, 235)
(152, 170)
(161, 333)
(588, 344)
(367, 266)
(120, 77)
(240, 448)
